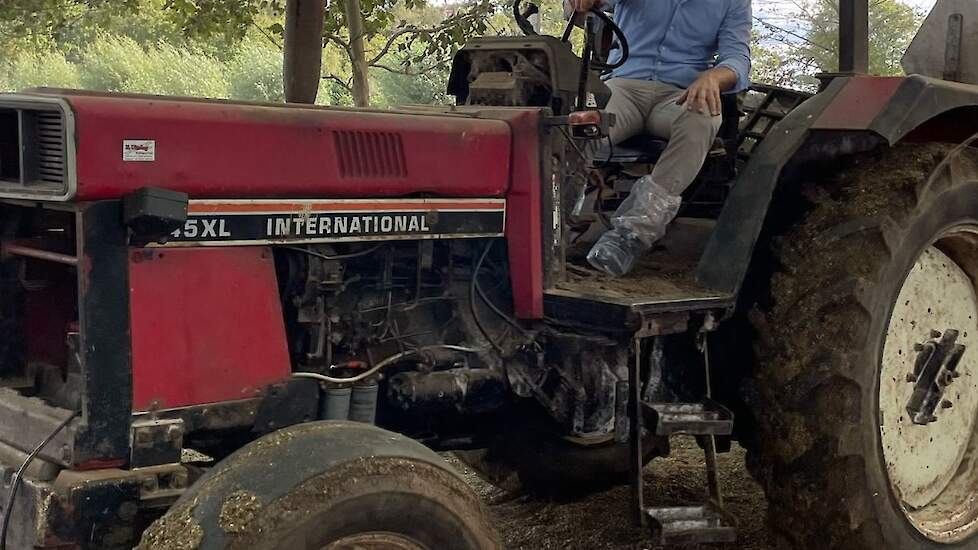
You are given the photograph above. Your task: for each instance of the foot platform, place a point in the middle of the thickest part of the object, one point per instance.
(689, 525)
(704, 418)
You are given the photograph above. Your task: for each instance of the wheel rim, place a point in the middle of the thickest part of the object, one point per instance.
(933, 468)
(376, 540)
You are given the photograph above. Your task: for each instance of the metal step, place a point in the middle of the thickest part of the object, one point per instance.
(704, 418)
(689, 525)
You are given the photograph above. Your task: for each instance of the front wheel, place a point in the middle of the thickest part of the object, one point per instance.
(327, 486)
(886, 259)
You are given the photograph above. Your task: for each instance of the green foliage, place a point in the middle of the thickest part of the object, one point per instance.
(41, 20)
(400, 89)
(220, 48)
(789, 58)
(892, 25)
(230, 20)
(255, 72)
(120, 64)
(43, 69)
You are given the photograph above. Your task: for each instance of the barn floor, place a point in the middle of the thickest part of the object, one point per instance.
(601, 521)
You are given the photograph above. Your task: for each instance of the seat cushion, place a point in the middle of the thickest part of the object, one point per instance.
(640, 149)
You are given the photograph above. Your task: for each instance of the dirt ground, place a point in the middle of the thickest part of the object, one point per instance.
(601, 521)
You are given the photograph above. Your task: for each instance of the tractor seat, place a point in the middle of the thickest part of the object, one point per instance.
(640, 149)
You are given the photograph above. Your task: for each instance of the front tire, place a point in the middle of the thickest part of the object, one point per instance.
(327, 486)
(887, 254)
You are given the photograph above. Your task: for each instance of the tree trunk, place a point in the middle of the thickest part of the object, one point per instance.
(303, 55)
(361, 76)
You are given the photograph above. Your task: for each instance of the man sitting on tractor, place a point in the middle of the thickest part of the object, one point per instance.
(683, 55)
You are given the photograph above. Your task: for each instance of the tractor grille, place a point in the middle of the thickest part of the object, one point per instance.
(33, 149)
(364, 154)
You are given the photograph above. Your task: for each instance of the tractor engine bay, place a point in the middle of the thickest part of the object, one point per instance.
(441, 345)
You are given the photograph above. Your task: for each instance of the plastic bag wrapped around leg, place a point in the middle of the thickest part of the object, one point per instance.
(639, 222)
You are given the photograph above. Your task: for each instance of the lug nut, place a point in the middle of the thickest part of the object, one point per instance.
(946, 404)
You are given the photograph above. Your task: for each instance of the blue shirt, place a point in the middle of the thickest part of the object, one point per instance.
(673, 41)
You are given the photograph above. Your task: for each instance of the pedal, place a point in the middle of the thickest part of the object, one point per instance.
(689, 525)
(704, 418)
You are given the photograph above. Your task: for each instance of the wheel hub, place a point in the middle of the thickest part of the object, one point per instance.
(935, 368)
(927, 423)
(375, 541)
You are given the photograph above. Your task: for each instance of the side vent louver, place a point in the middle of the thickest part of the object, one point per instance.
(50, 147)
(364, 154)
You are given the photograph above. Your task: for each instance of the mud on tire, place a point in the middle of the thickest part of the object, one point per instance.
(327, 486)
(820, 336)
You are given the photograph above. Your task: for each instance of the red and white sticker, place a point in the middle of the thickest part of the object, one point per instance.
(139, 150)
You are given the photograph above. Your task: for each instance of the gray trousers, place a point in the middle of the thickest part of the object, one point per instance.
(642, 106)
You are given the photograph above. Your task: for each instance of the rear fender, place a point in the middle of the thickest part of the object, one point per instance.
(852, 115)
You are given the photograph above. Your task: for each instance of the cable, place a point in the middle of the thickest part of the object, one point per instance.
(19, 475)
(512, 322)
(473, 287)
(383, 363)
(333, 257)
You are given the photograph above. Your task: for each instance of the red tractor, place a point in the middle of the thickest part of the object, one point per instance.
(231, 325)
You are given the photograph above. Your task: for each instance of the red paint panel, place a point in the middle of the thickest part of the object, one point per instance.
(390, 205)
(524, 237)
(207, 325)
(216, 149)
(858, 103)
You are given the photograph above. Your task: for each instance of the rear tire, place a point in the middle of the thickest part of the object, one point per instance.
(327, 485)
(829, 431)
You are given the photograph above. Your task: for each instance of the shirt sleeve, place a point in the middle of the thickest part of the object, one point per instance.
(733, 43)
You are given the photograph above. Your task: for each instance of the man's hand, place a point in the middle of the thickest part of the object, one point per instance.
(583, 5)
(703, 95)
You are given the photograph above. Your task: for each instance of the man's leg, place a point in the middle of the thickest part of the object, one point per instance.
(654, 200)
(631, 103)
(690, 135)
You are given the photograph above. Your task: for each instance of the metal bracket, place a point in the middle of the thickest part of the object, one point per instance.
(952, 47)
(155, 442)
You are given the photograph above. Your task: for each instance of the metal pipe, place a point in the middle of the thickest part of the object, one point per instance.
(20, 250)
(636, 459)
(854, 36)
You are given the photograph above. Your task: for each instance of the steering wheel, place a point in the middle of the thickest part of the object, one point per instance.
(524, 24)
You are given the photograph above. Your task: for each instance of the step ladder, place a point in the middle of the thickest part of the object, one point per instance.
(705, 523)
(770, 104)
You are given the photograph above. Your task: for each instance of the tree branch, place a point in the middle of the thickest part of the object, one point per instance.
(409, 72)
(343, 83)
(266, 35)
(772, 26)
(411, 29)
(339, 42)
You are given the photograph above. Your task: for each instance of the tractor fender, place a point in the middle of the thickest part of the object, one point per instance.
(268, 468)
(897, 108)
(851, 115)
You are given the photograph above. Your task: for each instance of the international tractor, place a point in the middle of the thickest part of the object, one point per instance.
(234, 325)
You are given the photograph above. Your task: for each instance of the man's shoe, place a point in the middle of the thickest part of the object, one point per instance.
(615, 253)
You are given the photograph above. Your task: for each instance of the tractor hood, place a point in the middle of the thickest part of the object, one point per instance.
(75, 145)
